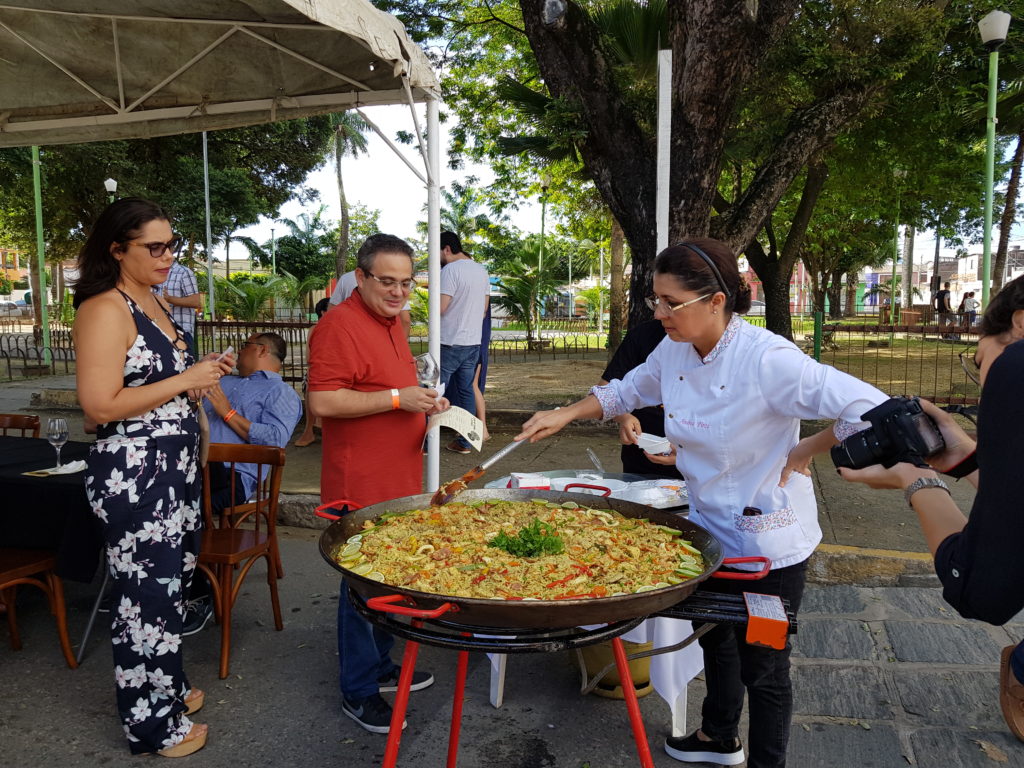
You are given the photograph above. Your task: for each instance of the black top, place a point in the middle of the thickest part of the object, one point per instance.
(634, 350)
(942, 301)
(982, 567)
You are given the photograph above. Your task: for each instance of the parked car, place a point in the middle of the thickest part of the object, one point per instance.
(10, 309)
(756, 308)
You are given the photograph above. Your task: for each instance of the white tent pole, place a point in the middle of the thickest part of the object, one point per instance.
(391, 144)
(209, 236)
(434, 274)
(664, 146)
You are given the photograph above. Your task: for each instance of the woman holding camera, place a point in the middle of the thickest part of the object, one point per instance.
(979, 560)
(733, 396)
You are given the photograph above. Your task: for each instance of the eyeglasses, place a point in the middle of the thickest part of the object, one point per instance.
(253, 343)
(654, 302)
(969, 363)
(156, 250)
(389, 283)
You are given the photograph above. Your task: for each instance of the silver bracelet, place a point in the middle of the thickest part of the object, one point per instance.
(923, 482)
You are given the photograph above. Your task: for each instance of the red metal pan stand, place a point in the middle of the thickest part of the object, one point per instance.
(439, 628)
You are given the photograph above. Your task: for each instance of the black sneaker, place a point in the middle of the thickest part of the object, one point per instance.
(197, 613)
(373, 713)
(690, 749)
(420, 680)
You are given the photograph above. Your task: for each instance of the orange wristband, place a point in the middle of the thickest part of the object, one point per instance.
(395, 400)
(230, 415)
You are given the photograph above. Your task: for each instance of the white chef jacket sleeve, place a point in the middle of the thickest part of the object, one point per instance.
(794, 384)
(639, 388)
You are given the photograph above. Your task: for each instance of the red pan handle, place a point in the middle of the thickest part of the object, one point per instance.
(747, 576)
(321, 511)
(607, 491)
(384, 605)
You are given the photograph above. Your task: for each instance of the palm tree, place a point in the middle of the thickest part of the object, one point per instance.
(521, 292)
(249, 300)
(349, 139)
(296, 292)
(308, 247)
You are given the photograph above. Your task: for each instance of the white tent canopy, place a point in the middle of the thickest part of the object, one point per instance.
(94, 70)
(90, 70)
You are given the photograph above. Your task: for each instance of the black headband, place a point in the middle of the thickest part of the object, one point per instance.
(709, 262)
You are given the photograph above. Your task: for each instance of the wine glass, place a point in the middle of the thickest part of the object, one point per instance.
(57, 435)
(428, 372)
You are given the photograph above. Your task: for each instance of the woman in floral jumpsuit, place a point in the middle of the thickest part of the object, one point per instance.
(134, 375)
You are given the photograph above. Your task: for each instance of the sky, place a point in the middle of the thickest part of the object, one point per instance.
(379, 179)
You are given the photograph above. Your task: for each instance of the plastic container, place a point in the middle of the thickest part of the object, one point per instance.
(654, 444)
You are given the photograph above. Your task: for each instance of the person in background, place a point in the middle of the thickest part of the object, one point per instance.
(181, 291)
(480, 377)
(308, 436)
(135, 371)
(970, 310)
(734, 395)
(363, 385)
(255, 407)
(635, 348)
(979, 559)
(944, 306)
(465, 298)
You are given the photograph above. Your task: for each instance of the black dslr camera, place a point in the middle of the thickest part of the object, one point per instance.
(900, 431)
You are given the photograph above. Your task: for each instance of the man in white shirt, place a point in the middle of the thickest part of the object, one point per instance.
(347, 283)
(465, 296)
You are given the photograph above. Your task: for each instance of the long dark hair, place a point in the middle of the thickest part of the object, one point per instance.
(98, 270)
(705, 265)
(998, 317)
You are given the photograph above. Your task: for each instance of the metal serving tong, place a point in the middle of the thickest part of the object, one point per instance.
(453, 488)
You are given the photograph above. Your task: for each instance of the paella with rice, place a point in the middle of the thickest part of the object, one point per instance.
(520, 550)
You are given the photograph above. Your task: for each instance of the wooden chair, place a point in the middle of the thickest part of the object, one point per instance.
(227, 547)
(37, 568)
(22, 422)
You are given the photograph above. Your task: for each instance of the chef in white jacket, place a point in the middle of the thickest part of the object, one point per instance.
(734, 395)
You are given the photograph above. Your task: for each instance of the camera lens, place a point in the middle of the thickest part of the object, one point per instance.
(858, 451)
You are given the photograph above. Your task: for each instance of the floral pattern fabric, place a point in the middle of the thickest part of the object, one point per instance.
(143, 482)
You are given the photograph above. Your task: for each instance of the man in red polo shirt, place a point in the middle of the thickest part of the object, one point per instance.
(363, 385)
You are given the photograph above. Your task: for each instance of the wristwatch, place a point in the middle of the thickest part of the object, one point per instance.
(923, 482)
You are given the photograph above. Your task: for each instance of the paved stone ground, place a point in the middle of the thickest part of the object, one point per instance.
(883, 677)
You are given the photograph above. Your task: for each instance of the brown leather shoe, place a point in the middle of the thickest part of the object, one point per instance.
(1011, 694)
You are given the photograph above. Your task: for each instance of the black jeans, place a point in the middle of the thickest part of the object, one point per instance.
(731, 665)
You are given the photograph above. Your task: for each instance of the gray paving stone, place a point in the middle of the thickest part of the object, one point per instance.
(941, 643)
(916, 602)
(833, 638)
(956, 697)
(948, 748)
(838, 600)
(844, 746)
(841, 691)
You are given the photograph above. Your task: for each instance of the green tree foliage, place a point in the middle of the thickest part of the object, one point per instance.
(308, 248)
(253, 171)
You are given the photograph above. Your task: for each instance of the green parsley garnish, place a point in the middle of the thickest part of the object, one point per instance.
(534, 540)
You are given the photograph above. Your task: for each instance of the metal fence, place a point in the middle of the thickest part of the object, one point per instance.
(900, 360)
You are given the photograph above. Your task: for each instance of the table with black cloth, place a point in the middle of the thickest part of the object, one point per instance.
(48, 512)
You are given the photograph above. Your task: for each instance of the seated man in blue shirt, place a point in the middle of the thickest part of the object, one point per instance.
(256, 407)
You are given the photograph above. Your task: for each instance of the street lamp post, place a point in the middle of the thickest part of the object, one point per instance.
(993, 30)
(273, 252)
(111, 186)
(545, 182)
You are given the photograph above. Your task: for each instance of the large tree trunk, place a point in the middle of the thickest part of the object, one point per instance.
(780, 265)
(341, 254)
(775, 284)
(1009, 214)
(617, 299)
(834, 292)
(717, 47)
(851, 294)
(908, 266)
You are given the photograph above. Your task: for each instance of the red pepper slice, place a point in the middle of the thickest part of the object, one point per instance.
(561, 581)
(480, 578)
